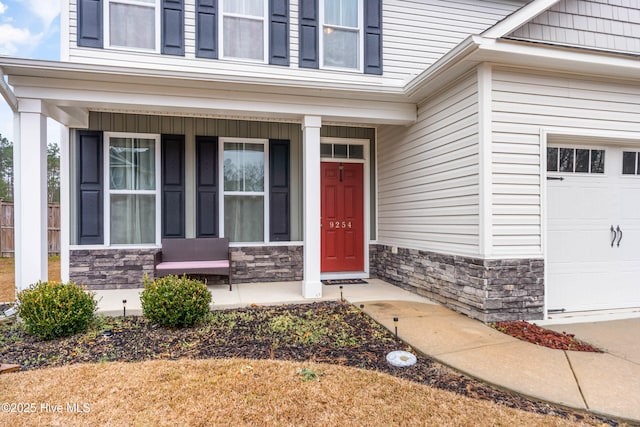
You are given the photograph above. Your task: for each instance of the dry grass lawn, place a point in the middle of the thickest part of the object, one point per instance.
(242, 392)
(7, 278)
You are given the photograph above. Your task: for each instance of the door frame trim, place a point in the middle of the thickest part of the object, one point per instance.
(366, 200)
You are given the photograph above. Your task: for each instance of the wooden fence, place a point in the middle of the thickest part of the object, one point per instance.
(7, 233)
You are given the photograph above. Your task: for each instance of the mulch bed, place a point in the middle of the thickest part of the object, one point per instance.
(327, 332)
(526, 331)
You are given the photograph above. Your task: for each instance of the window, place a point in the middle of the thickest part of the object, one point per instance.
(575, 160)
(132, 24)
(132, 197)
(341, 38)
(244, 29)
(630, 163)
(245, 178)
(342, 151)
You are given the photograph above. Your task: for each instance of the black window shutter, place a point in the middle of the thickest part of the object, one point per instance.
(373, 36)
(279, 32)
(90, 189)
(279, 183)
(173, 196)
(207, 29)
(206, 186)
(173, 27)
(90, 23)
(309, 34)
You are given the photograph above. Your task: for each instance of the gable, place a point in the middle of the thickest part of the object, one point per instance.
(597, 24)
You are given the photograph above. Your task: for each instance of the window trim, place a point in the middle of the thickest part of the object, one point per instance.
(222, 192)
(321, 26)
(265, 32)
(107, 25)
(108, 191)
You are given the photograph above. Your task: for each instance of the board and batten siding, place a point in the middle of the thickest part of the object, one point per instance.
(192, 127)
(428, 186)
(600, 24)
(523, 103)
(416, 33)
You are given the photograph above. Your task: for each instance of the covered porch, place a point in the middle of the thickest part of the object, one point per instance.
(132, 104)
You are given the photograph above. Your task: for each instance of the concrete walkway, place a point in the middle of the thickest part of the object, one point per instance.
(606, 384)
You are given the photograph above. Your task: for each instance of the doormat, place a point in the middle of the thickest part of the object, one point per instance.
(344, 282)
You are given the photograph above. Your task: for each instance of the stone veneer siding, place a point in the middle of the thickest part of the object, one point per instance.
(126, 268)
(488, 290)
(111, 268)
(267, 264)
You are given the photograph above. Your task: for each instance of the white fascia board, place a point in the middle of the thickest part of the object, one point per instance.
(7, 93)
(443, 70)
(285, 81)
(518, 18)
(544, 57)
(175, 100)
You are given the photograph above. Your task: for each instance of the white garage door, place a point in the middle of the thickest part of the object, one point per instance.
(593, 228)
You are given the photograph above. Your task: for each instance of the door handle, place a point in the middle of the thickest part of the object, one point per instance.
(614, 234)
(619, 230)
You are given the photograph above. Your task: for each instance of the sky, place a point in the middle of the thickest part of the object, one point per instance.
(29, 29)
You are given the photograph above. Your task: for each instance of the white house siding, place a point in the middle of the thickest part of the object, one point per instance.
(601, 24)
(523, 104)
(428, 176)
(416, 33)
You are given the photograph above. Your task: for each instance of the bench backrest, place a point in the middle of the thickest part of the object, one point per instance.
(207, 249)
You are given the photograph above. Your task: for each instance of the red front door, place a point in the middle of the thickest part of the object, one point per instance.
(342, 217)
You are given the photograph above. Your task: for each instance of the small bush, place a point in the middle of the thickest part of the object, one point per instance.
(175, 301)
(51, 310)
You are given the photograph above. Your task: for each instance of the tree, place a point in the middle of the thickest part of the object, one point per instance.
(6, 169)
(53, 173)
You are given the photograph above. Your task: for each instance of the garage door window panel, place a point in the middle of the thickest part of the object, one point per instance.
(630, 164)
(575, 160)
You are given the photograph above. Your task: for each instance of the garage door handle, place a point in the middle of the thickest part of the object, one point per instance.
(619, 235)
(614, 234)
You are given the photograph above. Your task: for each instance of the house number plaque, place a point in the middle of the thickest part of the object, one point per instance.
(337, 224)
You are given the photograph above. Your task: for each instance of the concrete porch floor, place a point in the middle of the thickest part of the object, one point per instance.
(274, 293)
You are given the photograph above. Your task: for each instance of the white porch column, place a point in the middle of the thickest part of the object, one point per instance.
(311, 285)
(65, 204)
(30, 193)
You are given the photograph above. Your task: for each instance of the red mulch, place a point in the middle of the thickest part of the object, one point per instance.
(535, 334)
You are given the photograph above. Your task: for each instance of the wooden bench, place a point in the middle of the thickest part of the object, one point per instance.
(209, 256)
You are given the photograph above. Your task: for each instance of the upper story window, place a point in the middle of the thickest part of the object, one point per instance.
(132, 24)
(244, 29)
(341, 37)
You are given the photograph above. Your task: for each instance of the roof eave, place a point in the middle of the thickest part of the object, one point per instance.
(7, 93)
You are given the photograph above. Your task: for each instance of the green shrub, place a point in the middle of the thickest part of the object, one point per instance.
(51, 310)
(175, 301)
